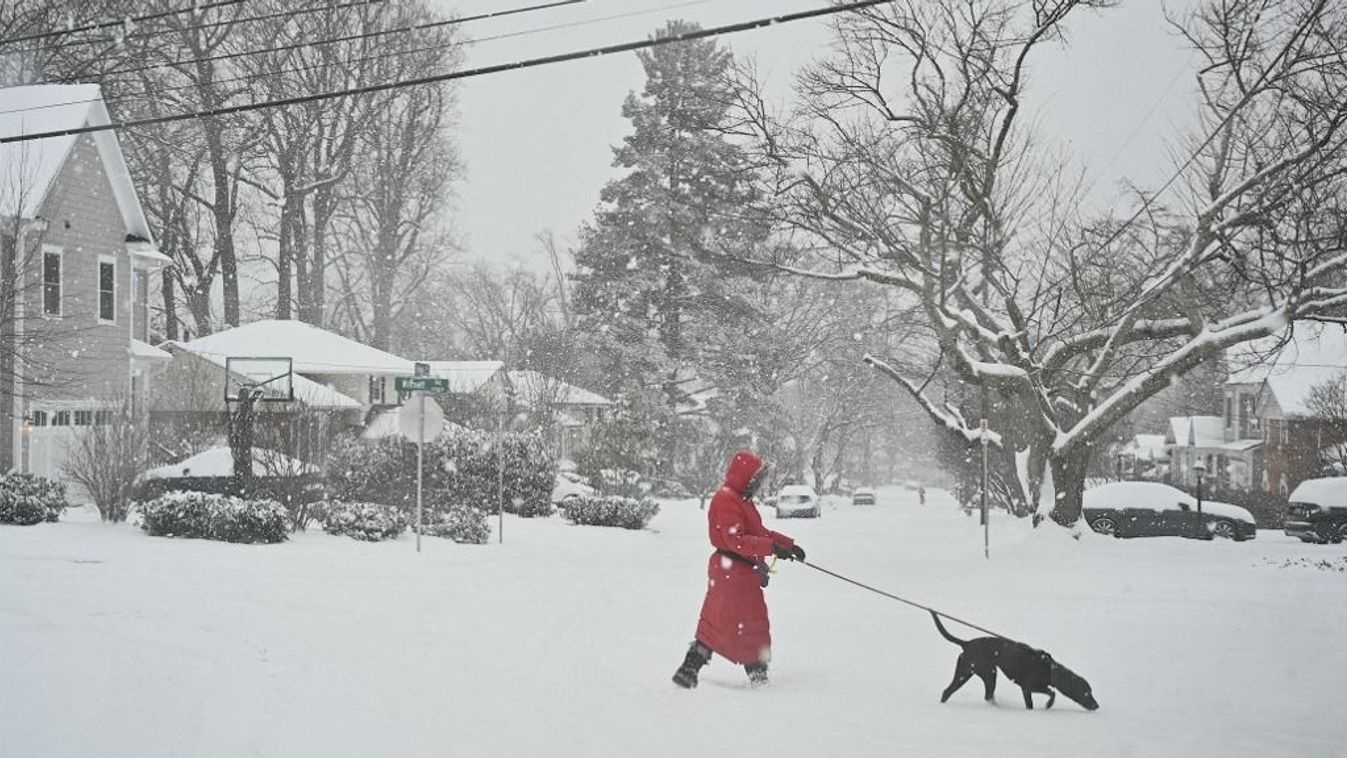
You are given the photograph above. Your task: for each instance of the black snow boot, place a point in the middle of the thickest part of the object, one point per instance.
(757, 673)
(698, 655)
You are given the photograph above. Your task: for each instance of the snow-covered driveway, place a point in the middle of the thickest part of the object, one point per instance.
(561, 643)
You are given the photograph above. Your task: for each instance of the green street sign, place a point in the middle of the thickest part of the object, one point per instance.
(420, 384)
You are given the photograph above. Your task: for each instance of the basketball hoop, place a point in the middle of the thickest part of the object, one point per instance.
(249, 381)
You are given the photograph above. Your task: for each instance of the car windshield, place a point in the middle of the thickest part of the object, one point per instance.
(795, 498)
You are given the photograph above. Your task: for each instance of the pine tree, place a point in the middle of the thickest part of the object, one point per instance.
(641, 272)
(644, 284)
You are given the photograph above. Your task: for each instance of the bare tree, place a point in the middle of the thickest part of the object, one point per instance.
(107, 459)
(1327, 403)
(907, 165)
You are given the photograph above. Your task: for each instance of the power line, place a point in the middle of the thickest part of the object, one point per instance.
(409, 51)
(595, 52)
(362, 59)
(350, 37)
(123, 21)
(274, 15)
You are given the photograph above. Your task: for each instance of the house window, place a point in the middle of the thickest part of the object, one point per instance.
(376, 390)
(84, 418)
(102, 418)
(107, 290)
(39, 418)
(61, 418)
(1229, 412)
(140, 305)
(1286, 433)
(51, 283)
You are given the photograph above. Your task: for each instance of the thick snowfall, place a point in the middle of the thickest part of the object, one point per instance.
(561, 641)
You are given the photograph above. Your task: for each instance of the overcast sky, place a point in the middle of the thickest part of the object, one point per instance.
(537, 143)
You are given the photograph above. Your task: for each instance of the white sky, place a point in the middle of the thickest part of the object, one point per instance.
(537, 143)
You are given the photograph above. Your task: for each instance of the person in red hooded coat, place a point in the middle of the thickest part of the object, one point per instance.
(733, 621)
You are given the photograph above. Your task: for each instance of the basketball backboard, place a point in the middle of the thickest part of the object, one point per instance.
(271, 379)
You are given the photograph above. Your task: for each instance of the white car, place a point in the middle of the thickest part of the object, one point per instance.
(798, 501)
(863, 496)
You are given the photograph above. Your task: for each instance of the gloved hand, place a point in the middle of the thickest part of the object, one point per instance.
(794, 553)
(763, 572)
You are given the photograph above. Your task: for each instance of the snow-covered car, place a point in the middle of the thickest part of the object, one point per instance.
(1317, 511)
(1151, 509)
(798, 501)
(863, 496)
(570, 485)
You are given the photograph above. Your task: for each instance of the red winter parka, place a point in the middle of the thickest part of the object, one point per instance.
(734, 615)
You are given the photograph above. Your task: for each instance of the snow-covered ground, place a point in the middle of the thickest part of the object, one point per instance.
(561, 643)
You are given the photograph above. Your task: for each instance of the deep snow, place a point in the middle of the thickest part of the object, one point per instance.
(562, 641)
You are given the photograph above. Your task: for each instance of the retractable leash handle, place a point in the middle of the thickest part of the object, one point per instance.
(904, 600)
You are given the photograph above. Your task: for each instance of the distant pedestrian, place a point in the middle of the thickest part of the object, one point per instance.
(921, 495)
(733, 622)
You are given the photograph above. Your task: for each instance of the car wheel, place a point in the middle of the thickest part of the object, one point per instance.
(1338, 536)
(1223, 529)
(1105, 525)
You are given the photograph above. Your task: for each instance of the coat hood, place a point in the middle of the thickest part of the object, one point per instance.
(743, 466)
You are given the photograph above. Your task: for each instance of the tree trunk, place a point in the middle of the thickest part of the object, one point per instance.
(170, 304)
(1068, 478)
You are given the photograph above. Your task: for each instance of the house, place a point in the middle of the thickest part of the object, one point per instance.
(1145, 456)
(338, 384)
(1190, 439)
(1281, 390)
(78, 262)
(568, 413)
(477, 392)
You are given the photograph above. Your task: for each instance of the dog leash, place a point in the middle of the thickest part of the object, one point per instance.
(914, 604)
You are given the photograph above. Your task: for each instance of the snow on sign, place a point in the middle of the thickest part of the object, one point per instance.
(421, 419)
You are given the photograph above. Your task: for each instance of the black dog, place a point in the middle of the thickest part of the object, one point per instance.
(1033, 670)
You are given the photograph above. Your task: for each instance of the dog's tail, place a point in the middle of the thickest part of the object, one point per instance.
(945, 632)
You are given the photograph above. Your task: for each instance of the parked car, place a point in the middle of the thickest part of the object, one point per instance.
(798, 501)
(863, 496)
(1151, 509)
(1317, 511)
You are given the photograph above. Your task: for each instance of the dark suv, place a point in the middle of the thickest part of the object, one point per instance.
(1318, 510)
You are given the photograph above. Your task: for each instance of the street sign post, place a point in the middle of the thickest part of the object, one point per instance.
(418, 420)
(420, 384)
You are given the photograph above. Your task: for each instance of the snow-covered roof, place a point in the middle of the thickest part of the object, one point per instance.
(465, 377)
(534, 389)
(1328, 492)
(147, 352)
(1199, 431)
(1312, 355)
(313, 350)
(28, 169)
(307, 391)
(1147, 447)
(1240, 446)
(219, 461)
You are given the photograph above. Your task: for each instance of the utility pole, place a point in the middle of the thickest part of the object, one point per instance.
(986, 527)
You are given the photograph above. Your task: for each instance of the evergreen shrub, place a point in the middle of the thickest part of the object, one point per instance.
(26, 499)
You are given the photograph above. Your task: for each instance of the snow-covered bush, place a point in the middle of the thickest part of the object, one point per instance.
(26, 499)
(465, 525)
(370, 522)
(626, 512)
(215, 517)
(462, 472)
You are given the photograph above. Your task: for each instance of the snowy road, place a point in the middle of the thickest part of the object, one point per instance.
(561, 642)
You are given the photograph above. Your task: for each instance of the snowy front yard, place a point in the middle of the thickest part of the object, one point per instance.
(561, 642)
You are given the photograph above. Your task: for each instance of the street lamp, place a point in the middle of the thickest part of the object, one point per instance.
(1199, 468)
